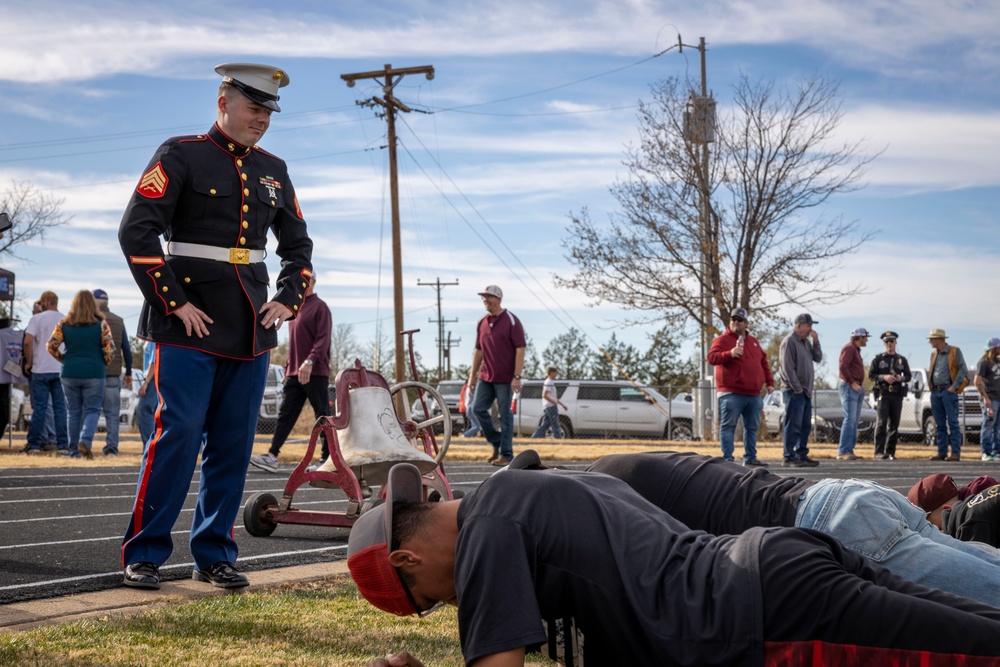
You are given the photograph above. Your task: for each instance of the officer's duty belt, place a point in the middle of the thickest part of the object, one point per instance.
(215, 253)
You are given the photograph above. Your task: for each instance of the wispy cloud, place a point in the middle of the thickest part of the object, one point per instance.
(54, 41)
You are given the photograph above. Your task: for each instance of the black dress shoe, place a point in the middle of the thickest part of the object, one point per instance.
(222, 575)
(142, 575)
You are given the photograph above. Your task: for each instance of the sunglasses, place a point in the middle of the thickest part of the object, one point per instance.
(421, 613)
(738, 319)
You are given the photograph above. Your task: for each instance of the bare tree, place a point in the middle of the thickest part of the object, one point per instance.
(32, 213)
(767, 244)
(344, 348)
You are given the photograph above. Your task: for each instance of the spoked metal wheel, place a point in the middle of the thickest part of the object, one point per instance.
(443, 419)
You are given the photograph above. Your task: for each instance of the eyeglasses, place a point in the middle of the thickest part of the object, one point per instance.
(421, 613)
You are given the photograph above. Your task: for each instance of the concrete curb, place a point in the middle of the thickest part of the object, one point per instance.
(128, 601)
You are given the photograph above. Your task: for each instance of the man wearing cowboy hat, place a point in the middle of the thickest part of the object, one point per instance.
(948, 376)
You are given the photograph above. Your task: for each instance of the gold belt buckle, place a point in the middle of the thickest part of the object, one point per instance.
(239, 256)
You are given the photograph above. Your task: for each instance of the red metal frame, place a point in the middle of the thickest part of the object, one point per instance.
(343, 477)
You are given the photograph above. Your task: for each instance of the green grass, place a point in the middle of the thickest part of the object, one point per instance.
(323, 622)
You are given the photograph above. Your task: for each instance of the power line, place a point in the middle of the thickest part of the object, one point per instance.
(552, 88)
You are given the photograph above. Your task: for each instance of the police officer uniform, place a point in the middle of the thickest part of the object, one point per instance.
(889, 396)
(213, 202)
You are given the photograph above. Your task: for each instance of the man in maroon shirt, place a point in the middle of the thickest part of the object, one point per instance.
(307, 374)
(496, 372)
(741, 370)
(852, 392)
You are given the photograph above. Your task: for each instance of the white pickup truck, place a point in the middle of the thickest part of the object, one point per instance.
(917, 420)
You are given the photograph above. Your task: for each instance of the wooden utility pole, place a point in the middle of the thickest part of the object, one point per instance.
(390, 77)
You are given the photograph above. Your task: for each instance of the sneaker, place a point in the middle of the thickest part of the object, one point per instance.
(111, 452)
(754, 463)
(29, 450)
(849, 456)
(988, 457)
(810, 463)
(794, 463)
(315, 466)
(501, 461)
(266, 462)
(64, 451)
(222, 575)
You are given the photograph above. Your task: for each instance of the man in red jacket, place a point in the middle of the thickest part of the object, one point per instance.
(741, 370)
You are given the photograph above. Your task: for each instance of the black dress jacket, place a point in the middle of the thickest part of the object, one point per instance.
(209, 190)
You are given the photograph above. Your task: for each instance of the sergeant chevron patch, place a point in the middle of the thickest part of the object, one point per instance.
(153, 183)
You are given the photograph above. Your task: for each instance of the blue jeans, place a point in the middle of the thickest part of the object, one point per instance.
(473, 429)
(145, 413)
(851, 401)
(944, 407)
(84, 397)
(881, 524)
(43, 387)
(989, 434)
(486, 393)
(112, 406)
(550, 419)
(731, 408)
(798, 423)
(50, 424)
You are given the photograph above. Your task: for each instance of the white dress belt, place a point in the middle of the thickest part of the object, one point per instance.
(215, 253)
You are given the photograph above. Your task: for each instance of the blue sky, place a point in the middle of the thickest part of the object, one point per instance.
(87, 93)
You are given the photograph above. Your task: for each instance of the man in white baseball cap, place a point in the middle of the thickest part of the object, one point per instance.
(496, 372)
(852, 392)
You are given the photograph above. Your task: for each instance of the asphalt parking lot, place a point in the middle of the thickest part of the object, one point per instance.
(60, 529)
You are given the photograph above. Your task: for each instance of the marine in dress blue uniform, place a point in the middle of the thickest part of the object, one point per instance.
(212, 198)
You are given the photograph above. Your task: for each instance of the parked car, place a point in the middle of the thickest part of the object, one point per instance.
(827, 419)
(274, 391)
(917, 421)
(608, 408)
(451, 392)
